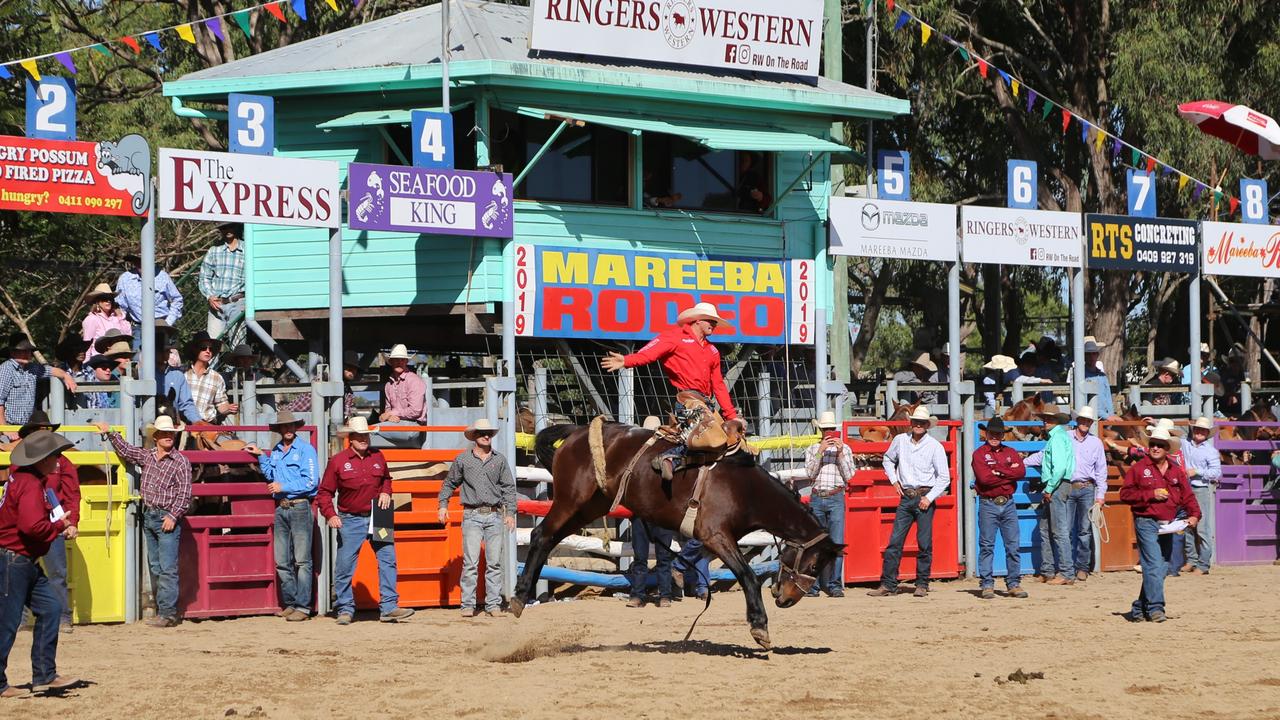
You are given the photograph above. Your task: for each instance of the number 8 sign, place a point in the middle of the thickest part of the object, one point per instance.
(251, 123)
(1253, 201)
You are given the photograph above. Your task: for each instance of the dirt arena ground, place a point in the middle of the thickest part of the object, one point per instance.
(948, 656)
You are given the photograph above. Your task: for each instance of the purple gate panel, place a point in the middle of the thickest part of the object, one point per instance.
(1248, 524)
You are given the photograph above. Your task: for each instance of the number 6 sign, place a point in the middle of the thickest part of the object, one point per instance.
(51, 108)
(251, 123)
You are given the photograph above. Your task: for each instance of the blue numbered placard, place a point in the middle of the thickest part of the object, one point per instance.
(1024, 189)
(432, 139)
(1142, 193)
(1253, 202)
(894, 168)
(51, 108)
(251, 123)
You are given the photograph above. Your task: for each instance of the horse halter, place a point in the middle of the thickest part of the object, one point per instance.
(787, 572)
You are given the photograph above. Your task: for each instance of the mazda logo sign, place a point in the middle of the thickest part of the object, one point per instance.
(870, 217)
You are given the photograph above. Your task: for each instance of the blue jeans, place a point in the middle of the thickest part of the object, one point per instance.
(216, 323)
(830, 513)
(694, 565)
(23, 584)
(162, 559)
(1002, 518)
(55, 568)
(909, 512)
(294, 528)
(1044, 530)
(386, 437)
(644, 534)
(1154, 551)
(1061, 513)
(487, 528)
(351, 536)
(1202, 557)
(1078, 502)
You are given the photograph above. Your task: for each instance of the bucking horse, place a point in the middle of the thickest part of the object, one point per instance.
(734, 496)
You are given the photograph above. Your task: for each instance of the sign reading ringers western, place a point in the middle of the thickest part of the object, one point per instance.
(1013, 236)
(1124, 242)
(236, 187)
(68, 176)
(760, 35)
(632, 295)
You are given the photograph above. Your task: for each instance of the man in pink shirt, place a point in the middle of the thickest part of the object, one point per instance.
(404, 400)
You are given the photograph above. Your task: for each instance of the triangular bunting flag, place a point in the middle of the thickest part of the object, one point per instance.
(1031, 99)
(65, 59)
(1085, 132)
(1115, 149)
(300, 7)
(1234, 204)
(1044, 111)
(1004, 76)
(214, 25)
(902, 20)
(4, 72)
(102, 49)
(153, 39)
(333, 4)
(1134, 156)
(1217, 196)
(1195, 194)
(925, 32)
(1015, 86)
(242, 19)
(184, 32)
(1099, 138)
(30, 67)
(1066, 120)
(1182, 182)
(889, 4)
(1151, 163)
(964, 54)
(132, 43)
(276, 12)
(1165, 170)
(982, 67)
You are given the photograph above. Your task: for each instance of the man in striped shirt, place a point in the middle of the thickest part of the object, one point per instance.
(222, 280)
(208, 388)
(829, 465)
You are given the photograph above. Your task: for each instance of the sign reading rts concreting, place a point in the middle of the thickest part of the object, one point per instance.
(262, 189)
(66, 176)
(1120, 242)
(1003, 236)
(760, 35)
(424, 200)
(1241, 249)
(892, 229)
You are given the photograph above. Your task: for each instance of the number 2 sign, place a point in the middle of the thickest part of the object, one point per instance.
(432, 139)
(251, 123)
(51, 108)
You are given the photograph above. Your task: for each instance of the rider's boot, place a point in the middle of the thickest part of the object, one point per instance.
(666, 463)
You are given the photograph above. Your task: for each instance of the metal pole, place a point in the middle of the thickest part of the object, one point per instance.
(540, 420)
(444, 56)
(764, 403)
(871, 86)
(1078, 378)
(270, 342)
(626, 396)
(833, 68)
(147, 360)
(1193, 339)
(57, 401)
(335, 321)
(953, 337)
(820, 358)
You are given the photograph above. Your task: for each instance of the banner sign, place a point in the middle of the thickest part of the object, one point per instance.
(1241, 249)
(66, 176)
(630, 295)
(892, 229)
(761, 35)
(424, 200)
(1121, 242)
(238, 187)
(1003, 236)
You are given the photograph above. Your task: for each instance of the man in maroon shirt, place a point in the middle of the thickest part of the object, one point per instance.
(359, 476)
(25, 535)
(998, 468)
(1157, 491)
(65, 484)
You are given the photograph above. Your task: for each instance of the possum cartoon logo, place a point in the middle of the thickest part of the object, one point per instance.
(127, 166)
(373, 204)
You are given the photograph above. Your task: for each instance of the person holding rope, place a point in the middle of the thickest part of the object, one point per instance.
(691, 363)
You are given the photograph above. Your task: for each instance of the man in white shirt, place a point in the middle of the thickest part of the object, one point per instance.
(829, 465)
(917, 466)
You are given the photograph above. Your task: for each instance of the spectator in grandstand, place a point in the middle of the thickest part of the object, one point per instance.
(70, 354)
(918, 371)
(1204, 469)
(404, 400)
(104, 314)
(1166, 372)
(19, 376)
(829, 465)
(1232, 377)
(222, 281)
(1028, 366)
(997, 469)
(208, 388)
(1095, 378)
(350, 370)
(171, 382)
(101, 369)
(243, 370)
(1206, 366)
(168, 301)
(995, 383)
(1049, 359)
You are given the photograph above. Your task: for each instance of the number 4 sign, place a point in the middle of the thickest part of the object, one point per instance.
(51, 108)
(432, 139)
(251, 123)
(1253, 201)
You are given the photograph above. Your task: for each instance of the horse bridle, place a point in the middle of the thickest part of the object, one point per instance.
(785, 571)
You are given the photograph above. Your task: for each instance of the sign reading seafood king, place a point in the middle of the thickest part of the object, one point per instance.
(1239, 249)
(629, 295)
(430, 200)
(761, 35)
(66, 176)
(262, 189)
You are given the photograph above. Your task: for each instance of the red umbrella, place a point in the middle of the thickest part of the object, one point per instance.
(1249, 130)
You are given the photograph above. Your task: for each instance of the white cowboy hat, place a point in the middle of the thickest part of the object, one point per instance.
(1087, 413)
(399, 352)
(1091, 339)
(1169, 364)
(651, 423)
(1000, 362)
(477, 427)
(1164, 424)
(1203, 423)
(922, 413)
(826, 421)
(1163, 434)
(1204, 348)
(164, 423)
(357, 425)
(924, 362)
(701, 311)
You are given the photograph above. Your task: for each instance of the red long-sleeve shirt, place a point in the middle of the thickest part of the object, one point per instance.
(24, 516)
(65, 483)
(690, 364)
(356, 481)
(1141, 483)
(987, 461)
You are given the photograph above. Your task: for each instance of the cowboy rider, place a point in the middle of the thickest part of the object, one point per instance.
(690, 362)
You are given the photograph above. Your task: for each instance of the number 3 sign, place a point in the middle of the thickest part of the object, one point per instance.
(251, 123)
(51, 108)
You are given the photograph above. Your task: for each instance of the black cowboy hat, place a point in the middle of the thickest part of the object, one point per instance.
(37, 446)
(350, 358)
(238, 227)
(22, 344)
(166, 335)
(39, 420)
(1058, 418)
(70, 346)
(103, 361)
(192, 348)
(995, 425)
(243, 350)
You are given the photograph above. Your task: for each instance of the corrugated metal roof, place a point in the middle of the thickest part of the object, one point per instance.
(479, 31)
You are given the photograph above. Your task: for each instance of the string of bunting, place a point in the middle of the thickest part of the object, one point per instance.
(213, 25)
(1090, 132)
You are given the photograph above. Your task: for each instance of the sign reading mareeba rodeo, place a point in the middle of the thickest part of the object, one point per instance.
(630, 295)
(237, 187)
(1009, 236)
(894, 229)
(66, 176)
(1123, 242)
(760, 35)
(1239, 249)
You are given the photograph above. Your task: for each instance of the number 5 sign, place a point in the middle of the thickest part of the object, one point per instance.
(251, 122)
(51, 108)
(432, 139)
(895, 174)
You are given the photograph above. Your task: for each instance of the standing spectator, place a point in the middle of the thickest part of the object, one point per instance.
(1088, 488)
(1167, 372)
(18, 377)
(995, 381)
(168, 301)
(101, 369)
(222, 281)
(166, 497)
(104, 314)
(1233, 377)
(26, 533)
(70, 354)
(1049, 359)
(293, 477)
(405, 400)
(917, 467)
(753, 192)
(350, 370)
(1096, 378)
(1204, 469)
(1057, 462)
(997, 468)
(488, 496)
(828, 464)
(359, 477)
(171, 383)
(1027, 367)
(1156, 490)
(64, 481)
(208, 389)
(918, 371)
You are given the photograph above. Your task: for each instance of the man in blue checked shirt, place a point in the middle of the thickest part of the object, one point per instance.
(1204, 468)
(18, 378)
(168, 301)
(222, 281)
(293, 477)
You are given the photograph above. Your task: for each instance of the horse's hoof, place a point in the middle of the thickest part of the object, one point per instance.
(515, 607)
(761, 636)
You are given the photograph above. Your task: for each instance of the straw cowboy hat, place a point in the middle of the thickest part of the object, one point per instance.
(285, 418)
(1204, 349)
(357, 425)
(1203, 423)
(164, 423)
(399, 352)
(1091, 346)
(1163, 434)
(701, 311)
(924, 362)
(1086, 413)
(1091, 339)
(1003, 363)
(1170, 365)
(826, 421)
(37, 446)
(922, 413)
(101, 291)
(37, 422)
(652, 423)
(479, 426)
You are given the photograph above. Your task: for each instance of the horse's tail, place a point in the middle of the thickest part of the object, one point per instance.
(544, 444)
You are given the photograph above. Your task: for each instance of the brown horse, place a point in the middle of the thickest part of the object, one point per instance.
(739, 496)
(1025, 410)
(881, 433)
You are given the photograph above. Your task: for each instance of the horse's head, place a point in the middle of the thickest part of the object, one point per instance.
(798, 564)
